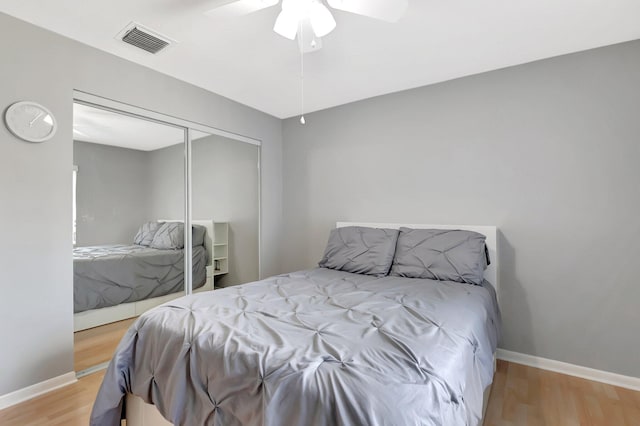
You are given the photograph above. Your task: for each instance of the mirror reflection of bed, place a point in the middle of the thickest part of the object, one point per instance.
(129, 222)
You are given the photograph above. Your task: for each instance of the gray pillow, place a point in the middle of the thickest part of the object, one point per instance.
(170, 236)
(360, 250)
(440, 254)
(197, 236)
(145, 234)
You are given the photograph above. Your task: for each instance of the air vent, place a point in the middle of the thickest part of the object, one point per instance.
(143, 38)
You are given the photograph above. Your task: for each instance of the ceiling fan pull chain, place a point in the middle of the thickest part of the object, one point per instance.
(301, 35)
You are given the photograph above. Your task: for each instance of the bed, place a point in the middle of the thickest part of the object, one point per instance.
(321, 346)
(116, 282)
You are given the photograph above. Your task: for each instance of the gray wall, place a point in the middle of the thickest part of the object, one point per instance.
(547, 151)
(36, 307)
(224, 188)
(112, 193)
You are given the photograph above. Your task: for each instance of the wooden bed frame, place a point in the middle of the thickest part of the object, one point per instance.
(96, 317)
(139, 413)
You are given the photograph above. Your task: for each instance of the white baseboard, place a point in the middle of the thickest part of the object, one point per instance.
(38, 389)
(615, 379)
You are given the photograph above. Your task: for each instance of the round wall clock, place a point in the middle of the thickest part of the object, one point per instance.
(30, 121)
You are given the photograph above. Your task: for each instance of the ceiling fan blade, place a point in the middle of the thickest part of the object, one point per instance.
(286, 24)
(385, 10)
(234, 8)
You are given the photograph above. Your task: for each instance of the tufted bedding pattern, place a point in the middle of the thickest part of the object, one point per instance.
(109, 275)
(317, 347)
(440, 254)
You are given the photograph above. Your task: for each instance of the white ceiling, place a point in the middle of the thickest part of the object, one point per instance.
(243, 59)
(109, 128)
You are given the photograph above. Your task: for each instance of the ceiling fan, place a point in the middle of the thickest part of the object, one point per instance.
(309, 20)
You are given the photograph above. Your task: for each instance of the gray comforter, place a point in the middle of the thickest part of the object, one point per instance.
(110, 275)
(317, 347)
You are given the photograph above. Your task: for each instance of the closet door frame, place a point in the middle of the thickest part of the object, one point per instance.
(187, 126)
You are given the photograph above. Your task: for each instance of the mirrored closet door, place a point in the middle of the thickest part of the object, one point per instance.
(129, 206)
(225, 186)
(140, 180)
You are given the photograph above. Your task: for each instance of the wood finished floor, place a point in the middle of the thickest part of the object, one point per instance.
(96, 345)
(68, 406)
(521, 395)
(524, 395)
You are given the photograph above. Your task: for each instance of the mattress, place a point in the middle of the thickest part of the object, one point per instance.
(313, 347)
(106, 276)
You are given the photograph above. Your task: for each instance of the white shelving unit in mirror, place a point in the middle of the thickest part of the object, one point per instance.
(220, 248)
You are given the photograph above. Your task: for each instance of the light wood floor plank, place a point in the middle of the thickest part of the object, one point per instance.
(97, 345)
(70, 405)
(551, 399)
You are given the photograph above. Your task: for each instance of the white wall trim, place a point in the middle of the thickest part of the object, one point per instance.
(38, 389)
(615, 379)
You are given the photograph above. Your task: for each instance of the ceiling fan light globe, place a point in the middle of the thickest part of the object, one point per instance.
(299, 8)
(322, 20)
(288, 4)
(286, 24)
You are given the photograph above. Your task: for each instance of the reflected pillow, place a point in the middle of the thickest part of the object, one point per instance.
(197, 236)
(170, 236)
(440, 254)
(145, 234)
(360, 250)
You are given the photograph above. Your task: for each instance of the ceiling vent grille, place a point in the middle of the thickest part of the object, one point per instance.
(144, 38)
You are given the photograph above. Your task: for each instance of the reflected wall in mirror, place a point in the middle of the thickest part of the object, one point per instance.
(125, 261)
(226, 184)
(225, 187)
